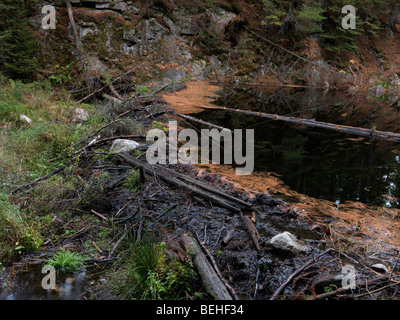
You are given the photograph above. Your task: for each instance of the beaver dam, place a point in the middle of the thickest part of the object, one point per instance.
(320, 204)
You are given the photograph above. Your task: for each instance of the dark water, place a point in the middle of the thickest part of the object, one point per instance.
(319, 163)
(26, 284)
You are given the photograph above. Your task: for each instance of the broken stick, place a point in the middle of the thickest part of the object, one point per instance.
(252, 231)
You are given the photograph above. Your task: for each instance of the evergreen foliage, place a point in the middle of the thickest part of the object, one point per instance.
(18, 44)
(304, 17)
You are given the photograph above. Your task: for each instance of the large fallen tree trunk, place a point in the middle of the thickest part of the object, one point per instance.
(197, 187)
(370, 133)
(214, 286)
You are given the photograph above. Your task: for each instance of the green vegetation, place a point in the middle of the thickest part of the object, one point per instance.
(147, 273)
(66, 261)
(18, 43)
(295, 19)
(133, 180)
(17, 232)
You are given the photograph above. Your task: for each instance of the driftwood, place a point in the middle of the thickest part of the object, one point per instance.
(252, 231)
(197, 187)
(214, 286)
(370, 133)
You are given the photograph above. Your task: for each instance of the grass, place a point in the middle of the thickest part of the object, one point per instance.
(28, 152)
(146, 273)
(17, 233)
(133, 180)
(66, 261)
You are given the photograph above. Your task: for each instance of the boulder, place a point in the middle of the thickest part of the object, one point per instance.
(123, 145)
(287, 242)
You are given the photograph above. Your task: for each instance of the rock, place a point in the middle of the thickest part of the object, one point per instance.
(123, 145)
(380, 268)
(25, 120)
(287, 242)
(79, 115)
(377, 91)
(173, 75)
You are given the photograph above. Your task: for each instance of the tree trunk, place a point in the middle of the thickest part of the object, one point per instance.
(78, 43)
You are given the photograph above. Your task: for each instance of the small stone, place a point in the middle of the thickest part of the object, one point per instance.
(79, 115)
(25, 120)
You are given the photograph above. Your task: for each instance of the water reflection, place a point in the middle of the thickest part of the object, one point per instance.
(27, 285)
(316, 162)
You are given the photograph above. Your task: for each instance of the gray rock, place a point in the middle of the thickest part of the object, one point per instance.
(173, 75)
(79, 115)
(377, 91)
(25, 120)
(124, 145)
(287, 242)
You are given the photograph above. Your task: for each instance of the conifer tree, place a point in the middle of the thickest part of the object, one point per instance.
(18, 44)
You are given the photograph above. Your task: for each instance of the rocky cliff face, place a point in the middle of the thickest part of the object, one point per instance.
(116, 36)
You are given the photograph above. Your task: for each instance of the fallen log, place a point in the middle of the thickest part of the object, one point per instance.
(214, 264)
(214, 286)
(197, 187)
(370, 133)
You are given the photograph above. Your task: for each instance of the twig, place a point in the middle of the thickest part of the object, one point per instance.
(117, 244)
(256, 288)
(45, 177)
(99, 215)
(343, 289)
(115, 92)
(293, 275)
(102, 88)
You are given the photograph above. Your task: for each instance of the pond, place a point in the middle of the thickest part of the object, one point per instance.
(316, 162)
